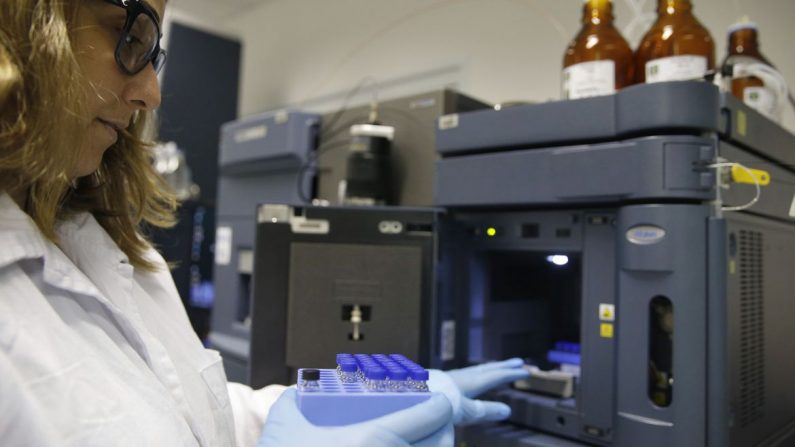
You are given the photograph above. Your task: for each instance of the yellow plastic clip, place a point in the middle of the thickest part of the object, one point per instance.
(750, 176)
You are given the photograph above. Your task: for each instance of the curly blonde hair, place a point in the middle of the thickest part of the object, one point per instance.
(41, 111)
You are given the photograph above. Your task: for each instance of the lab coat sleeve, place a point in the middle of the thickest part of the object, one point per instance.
(250, 408)
(22, 422)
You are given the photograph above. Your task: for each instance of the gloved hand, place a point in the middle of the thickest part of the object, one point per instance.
(460, 385)
(427, 424)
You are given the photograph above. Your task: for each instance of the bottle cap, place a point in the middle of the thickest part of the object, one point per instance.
(387, 363)
(419, 374)
(310, 374)
(403, 361)
(397, 374)
(372, 130)
(744, 23)
(363, 359)
(375, 373)
(349, 367)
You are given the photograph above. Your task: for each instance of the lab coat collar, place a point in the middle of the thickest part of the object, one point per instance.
(21, 239)
(81, 237)
(19, 236)
(82, 240)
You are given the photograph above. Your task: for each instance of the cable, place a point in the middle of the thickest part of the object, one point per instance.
(747, 171)
(359, 85)
(329, 135)
(309, 163)
(331, 131)
(772, 79)
(327, 145)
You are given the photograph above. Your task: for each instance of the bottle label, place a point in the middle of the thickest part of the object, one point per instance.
(676, 68)
(761, 99)
(588, 79)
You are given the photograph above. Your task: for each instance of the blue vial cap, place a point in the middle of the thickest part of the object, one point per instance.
(396, 365)
(397, 374)
(375, 373)
(566, 346)
(349, 367)
(419, 374)
(383, 360)
(366, 366)
(388, 364)
(409, 364)
(363, 360)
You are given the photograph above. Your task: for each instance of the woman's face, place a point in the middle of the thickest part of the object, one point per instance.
(112, 96)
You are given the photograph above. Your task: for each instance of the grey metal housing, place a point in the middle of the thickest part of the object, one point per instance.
(261, 158)
(624, 186)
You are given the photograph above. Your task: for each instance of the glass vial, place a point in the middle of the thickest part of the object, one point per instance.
(599, 60)
(376, 379)
(418, 379)
(310, 380)
(348, 370)
(676, 48)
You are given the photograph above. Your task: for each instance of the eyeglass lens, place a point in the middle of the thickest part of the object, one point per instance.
(139, 43)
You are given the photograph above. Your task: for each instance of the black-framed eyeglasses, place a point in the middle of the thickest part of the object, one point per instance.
(139, 43)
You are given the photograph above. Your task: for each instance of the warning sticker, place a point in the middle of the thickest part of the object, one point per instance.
(606, 330)
(223, 245)
(607, 312)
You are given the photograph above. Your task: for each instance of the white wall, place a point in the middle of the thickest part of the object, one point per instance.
(311, 52)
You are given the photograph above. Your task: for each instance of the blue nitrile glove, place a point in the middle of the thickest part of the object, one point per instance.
(460, 385)
(427, 424)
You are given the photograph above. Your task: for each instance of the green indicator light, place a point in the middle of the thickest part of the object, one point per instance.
(491, 231)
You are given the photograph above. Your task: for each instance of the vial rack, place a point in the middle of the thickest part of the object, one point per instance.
(325, 399)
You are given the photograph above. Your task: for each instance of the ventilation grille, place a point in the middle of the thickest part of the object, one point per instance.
(752, 344)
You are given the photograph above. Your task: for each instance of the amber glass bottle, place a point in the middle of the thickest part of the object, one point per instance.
(598, 61)
(677, 47)
(744, 49)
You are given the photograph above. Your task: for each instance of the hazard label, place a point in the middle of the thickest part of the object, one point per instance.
(607, 312)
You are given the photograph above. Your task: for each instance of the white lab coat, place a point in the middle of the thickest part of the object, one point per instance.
(94, 352)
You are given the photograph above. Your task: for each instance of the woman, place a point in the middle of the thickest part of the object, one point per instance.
(95, 346)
